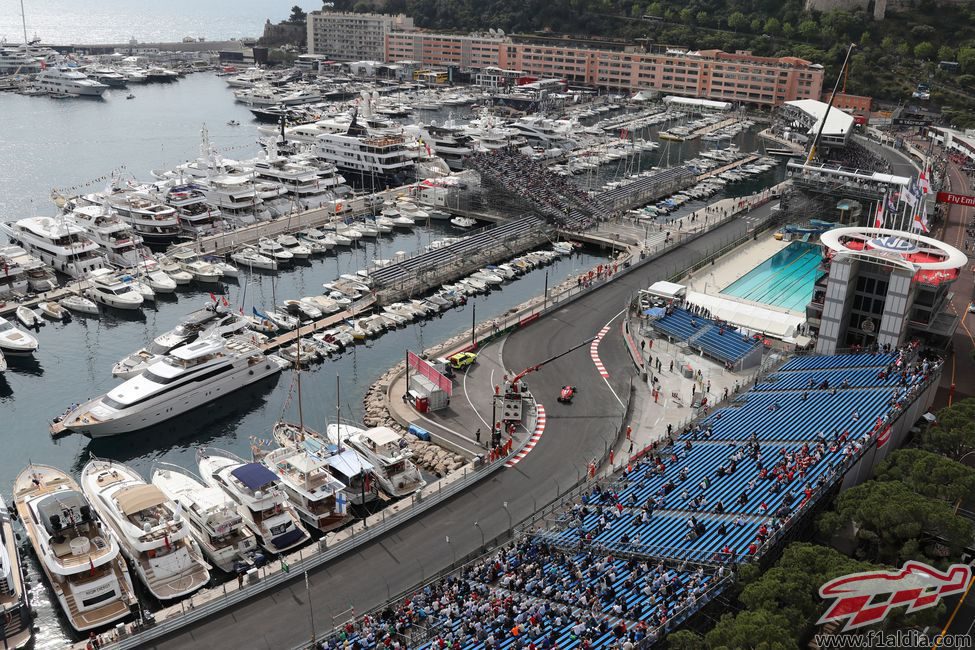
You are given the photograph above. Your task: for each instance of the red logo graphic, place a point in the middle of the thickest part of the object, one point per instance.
(865, 598)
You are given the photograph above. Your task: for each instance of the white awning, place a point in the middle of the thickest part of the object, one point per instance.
(754, 318)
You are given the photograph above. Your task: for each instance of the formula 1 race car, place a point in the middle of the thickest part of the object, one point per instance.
(566, 394)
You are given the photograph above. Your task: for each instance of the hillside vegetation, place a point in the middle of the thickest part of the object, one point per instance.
(893, 55)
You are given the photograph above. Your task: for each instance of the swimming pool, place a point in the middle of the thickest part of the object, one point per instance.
(784, 280)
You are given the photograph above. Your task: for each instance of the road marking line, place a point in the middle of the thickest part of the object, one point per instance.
(536, 436)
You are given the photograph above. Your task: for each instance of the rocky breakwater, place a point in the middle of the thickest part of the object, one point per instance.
(428, 455)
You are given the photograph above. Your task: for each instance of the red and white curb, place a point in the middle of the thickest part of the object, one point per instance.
(536, 436)
(594, 352)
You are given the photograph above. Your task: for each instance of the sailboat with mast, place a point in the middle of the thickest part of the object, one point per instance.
(355, 473)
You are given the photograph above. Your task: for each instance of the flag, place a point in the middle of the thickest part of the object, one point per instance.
(925, 180)
(878, 221)
(623, 134)
(213, 297)
(224, 300)
(892, 199)
(920, 222)
(284, 566)
(913, 195)
(91, 563)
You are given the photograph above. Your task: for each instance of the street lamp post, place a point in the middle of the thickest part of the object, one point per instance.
(505, 506)
(480, 530)
(453, 553)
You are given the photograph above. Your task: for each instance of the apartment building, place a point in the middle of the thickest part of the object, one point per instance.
(352, 36)
(712, 74)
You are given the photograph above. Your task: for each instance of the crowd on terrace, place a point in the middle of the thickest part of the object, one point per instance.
(552, 195)
(641, 551)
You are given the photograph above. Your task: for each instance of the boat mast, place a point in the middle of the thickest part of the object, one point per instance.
(23, 19)
(301, 417)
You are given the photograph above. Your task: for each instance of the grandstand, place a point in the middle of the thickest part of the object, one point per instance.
(714, 338)
(636, 554)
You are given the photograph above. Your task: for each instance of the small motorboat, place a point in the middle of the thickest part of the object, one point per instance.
(15, 341)
(228, 270)
(303, 310)
(54, 311)
(28, 318)
(159, 281)
(463, 222)
(281, 319)
(303, 351)
(130, 96)
(252, 258)
(262, 325)
(79, 304)
(233, 123)
(142, 288)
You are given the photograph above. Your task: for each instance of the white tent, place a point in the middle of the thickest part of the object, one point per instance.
(667, 290)
(754, 318)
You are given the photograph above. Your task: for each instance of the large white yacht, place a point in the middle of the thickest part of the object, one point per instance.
(195, 216)
(260, 500)
(214, 521)
(189, 376)
(302, 182)
(235, 195)
(62, 80)
(450, 142)
(58, 242)
(77, 552)
(14, 278)
(153, 534)
(371, 160)
(387, 451)
(14, 606)
(212, 320)
(316, 495)
(121, 244)
(155, 222)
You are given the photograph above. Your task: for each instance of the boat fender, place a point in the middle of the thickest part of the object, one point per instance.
(250, 372)
(267, 366)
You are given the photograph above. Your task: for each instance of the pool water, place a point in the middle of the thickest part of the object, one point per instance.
(784, 280)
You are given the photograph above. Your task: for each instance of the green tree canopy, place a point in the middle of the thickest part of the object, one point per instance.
(752, 630)
(892, 523)
(924, 50)
(954, 434)
(298, 15)
(737, 21)
(928, 474)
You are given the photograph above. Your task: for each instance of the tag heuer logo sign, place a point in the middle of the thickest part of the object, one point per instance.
(894, 245)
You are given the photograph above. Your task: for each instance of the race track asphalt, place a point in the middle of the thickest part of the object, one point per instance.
(575, 434)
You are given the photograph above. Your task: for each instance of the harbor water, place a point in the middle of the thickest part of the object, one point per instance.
(74, 146)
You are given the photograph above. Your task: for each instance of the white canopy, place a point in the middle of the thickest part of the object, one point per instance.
(665, 289)
(755, 318)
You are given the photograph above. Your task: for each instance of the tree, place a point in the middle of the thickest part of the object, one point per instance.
(930, 475)
(904, 50)
(809, 30)
(866, 40)
(684, 640)
(756, 25)
(888, 44)
(298, 15)
(773, 27)
(954, 433)
(924, 50)
(702, 18)
(945, 53)
(966, 57)
(737, 21)
(788, 30)
(752, 630)
(791, 586)
(889, 521)
(686, 16)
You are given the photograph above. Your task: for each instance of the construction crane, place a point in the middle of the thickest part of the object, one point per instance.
(515, 389)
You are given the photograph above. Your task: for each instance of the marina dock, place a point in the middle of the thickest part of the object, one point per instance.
(694, 135)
